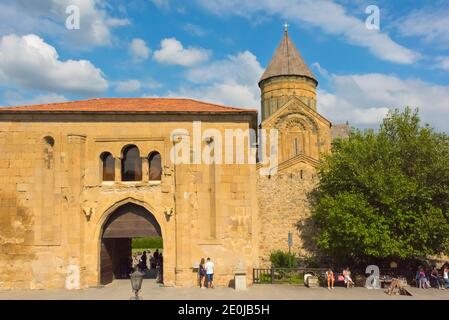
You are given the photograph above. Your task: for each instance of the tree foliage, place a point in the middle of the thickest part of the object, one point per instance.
(386, 193)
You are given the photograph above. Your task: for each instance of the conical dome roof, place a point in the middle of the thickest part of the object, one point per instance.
(287, 61)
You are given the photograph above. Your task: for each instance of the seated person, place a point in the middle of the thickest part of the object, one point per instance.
(348, 280)
(436, 278)
(330, 279)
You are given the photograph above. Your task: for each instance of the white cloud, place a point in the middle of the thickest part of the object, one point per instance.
(431, 25)
(229, 93)
(195, 30)
(231, 81)
(150, 83)
(128, 86)
(323, 72)
(327, 15)
(30, 62)
(138, 50)
(364, 99)
(15, 98)
(173, 52)
(133, 85)
(443, 63)
(162, 4)
(48, 17)
(242, 68)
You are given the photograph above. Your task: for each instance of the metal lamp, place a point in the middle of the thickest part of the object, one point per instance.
(136, 283)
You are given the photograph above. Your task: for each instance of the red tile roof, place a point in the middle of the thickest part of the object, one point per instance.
(128, 105)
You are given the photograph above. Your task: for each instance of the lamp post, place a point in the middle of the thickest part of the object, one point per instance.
(290, 244)
(136, 283)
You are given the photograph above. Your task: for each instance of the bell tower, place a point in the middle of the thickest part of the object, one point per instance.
(286, 76)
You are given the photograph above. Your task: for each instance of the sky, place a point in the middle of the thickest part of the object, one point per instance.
(216, 51)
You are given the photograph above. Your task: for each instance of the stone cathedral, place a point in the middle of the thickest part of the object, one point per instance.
(79, 180)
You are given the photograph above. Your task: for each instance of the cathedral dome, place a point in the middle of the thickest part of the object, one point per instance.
(287, 61)
(287, 76)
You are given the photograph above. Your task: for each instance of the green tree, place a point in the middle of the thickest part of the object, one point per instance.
(386, 193)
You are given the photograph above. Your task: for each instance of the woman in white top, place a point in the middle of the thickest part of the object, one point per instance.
(446, 276)
(348, 279)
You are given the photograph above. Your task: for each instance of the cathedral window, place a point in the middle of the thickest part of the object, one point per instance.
(131, 164)
(155, 163)
(108, 166)
(296, 149)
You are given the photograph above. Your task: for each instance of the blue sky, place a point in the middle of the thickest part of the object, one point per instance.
(216, 50)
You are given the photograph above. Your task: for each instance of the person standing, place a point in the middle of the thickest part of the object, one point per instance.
(202, 273)
(423, 281)
(209, 266)
(143, 261)
(161, 268)
(446, 276)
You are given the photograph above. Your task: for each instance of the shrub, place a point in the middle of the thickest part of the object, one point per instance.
(147, 243)
(281, 259)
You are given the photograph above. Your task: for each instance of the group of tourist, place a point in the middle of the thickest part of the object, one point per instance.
(206, 273)
(156, 262)
(345, 277)
(436, 278)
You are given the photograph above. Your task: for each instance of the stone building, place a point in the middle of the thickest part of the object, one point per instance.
(79, 180)
(289, 104)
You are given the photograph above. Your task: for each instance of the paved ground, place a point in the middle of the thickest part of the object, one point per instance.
(120, 290)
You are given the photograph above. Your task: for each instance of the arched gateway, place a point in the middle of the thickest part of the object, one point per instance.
(124, 223)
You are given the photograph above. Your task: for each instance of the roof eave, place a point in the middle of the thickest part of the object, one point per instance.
(59, 112)
(288, 75)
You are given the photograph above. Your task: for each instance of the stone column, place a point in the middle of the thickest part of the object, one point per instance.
(183, 271)
(75, 218)
(118, 169)
(145, 170)
(212, 198)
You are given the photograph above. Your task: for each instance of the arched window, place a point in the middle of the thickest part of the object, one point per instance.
(108, 166)
(131, 164)
(155, 166)
(296, 149)
(49, 141)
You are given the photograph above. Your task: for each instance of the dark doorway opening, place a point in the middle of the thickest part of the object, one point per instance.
(125, 223)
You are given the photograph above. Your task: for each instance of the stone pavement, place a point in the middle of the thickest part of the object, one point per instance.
(121, 290)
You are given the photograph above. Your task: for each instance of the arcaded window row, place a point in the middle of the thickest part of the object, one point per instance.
(131, 165)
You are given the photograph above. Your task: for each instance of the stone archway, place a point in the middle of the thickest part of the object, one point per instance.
(128, 221)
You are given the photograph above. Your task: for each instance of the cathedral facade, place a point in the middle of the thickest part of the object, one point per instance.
(79, 180)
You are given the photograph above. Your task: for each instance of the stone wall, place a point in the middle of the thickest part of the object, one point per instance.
(284, 207)
(53, 203)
